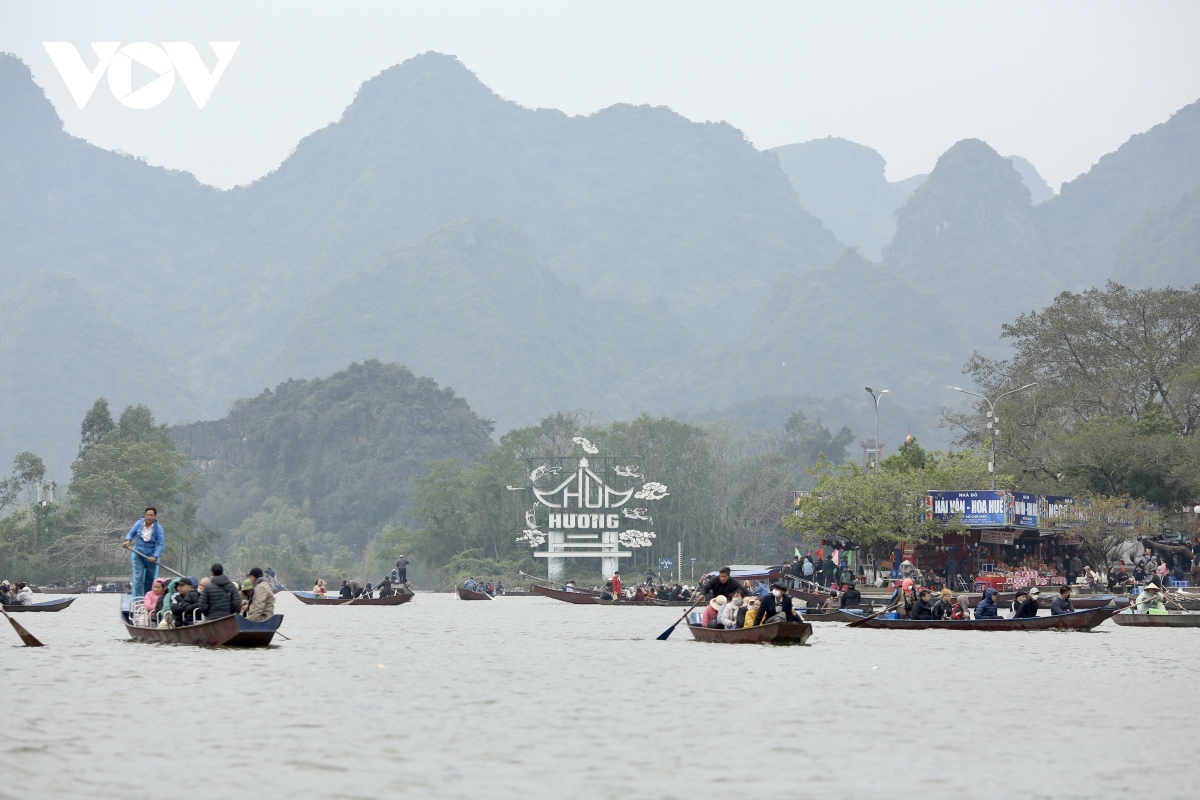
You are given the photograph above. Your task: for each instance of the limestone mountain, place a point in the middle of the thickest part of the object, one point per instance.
(60, 349)
(843, 184)
(1086, 224)
(472, 303)
(968, 237)
(836, 330)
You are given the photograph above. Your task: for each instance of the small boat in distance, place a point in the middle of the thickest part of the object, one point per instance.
(1079, 621)
(1172, 619)
(782, 633)
(467, 594)
(308, 598)
(577, 597)
(45, 605)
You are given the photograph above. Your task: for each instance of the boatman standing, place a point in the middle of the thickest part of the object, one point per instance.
(146, 541)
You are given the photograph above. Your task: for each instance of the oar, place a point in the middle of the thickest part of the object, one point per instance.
(146, 558)
(28, 638)
(662, 637)
(872, 616)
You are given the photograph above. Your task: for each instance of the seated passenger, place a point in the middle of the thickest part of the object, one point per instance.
(221, 596)
(154, 597)
(922, 609)
(1028, 607)
(731, 610)
(346, 593)
(987, 608)
(1062, 604)
(753, 605)
(851, 597)
(832, 603)
(712, 611)
(640, 594)
(941, 607)
(471, 585)
(24, 595)
(956, 609)
(185, 601)
(260, 605)
(319, 589)
(385, 588)
(777, 607)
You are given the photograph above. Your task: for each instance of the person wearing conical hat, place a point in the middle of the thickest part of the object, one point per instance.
(1150, 598)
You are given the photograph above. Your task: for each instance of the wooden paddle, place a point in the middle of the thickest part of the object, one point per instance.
(662, 637)
(159, 564)
(28, 638)
(872, 616)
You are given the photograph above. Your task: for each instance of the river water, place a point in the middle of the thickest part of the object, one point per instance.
(529, 697)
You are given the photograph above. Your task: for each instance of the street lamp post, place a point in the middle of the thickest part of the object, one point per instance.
(993, 419)
(876, 399)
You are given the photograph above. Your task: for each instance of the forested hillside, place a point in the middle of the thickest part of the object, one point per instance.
(327, 464)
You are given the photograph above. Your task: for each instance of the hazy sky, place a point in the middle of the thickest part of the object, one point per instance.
(1058, 83)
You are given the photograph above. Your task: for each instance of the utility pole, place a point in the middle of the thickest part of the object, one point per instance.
(993, 419)
(876, 399)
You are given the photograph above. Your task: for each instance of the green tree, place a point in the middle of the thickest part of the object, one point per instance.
(1117, 399)
(877, 509)
(131, 466)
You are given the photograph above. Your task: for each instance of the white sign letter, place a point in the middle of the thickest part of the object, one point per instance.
(196, 77)
(80, 82)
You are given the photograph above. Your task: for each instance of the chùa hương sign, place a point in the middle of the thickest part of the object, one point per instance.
(585, 516)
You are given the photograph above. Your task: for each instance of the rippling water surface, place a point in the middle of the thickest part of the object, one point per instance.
(529, 697)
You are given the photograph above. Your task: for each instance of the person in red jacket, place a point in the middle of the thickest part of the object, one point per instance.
(616, 586)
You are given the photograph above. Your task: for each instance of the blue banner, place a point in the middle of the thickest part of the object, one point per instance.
(1025, 510)
(1054, 511)
(665, 563)
(974, 509)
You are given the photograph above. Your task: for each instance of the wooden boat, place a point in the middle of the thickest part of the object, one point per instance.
(255, 634)
(775, 633)
(394, 600)
(835, 615)
(576, 597)
(1079, 621)
(1081, 603)
(1173, 619)
(45, 605)
(654, 602)
(230, 631)
(308, 598)
(467, 594)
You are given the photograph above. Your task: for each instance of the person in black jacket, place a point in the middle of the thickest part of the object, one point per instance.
(941, 606)
(1029, 606)
(184, 602)
(1062, 603)
(776, 607)
(830, 570)
(922, 609)
(720, 584)
(346, 593)
(851, 597)
(221, 597)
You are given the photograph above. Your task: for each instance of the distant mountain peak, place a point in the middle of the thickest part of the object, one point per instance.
(23, 104)
(424, 81)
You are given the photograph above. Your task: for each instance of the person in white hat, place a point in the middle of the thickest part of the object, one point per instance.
(1029, 606)
(712, 611)
(1150, 598)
